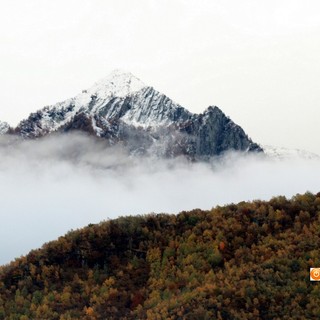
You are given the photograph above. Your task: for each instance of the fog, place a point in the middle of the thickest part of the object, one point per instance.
(52, 185)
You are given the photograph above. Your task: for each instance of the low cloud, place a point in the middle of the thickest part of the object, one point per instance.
(51, 185)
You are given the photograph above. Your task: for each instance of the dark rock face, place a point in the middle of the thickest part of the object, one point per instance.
(143, 120)
(213, 133)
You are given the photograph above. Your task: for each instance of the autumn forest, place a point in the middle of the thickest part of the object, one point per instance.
(248, 260)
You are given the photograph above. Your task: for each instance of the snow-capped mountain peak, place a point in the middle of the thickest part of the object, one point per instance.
(118, 83)
(122, 109)
(95, 100)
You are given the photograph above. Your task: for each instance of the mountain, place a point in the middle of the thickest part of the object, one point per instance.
(4, 127)
(122, 109)
(242, 261)
(282, 153)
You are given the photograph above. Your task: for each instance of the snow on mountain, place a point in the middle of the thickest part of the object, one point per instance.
(281, 153)
(121, 108)
(153, 109)
(4, 127)
(120, 95)
(118, 83)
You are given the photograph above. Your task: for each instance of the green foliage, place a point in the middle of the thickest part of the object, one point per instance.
(244, 261)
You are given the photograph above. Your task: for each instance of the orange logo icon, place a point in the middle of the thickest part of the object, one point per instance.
(315, 274)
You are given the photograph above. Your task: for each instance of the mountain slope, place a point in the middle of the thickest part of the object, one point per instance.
(244, 261)
(121, 109)
(121, 95)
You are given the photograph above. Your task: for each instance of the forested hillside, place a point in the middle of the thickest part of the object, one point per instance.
(241, 261)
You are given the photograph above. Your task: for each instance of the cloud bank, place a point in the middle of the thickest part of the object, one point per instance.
(52, 185)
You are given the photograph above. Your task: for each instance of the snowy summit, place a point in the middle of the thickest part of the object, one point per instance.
(118, 84)
(122, 109)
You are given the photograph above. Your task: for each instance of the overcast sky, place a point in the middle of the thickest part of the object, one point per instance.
(259, 61)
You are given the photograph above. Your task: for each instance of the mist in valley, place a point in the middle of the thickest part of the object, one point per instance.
(52, 185)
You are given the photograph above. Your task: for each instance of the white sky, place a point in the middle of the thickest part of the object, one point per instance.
(259, 61)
